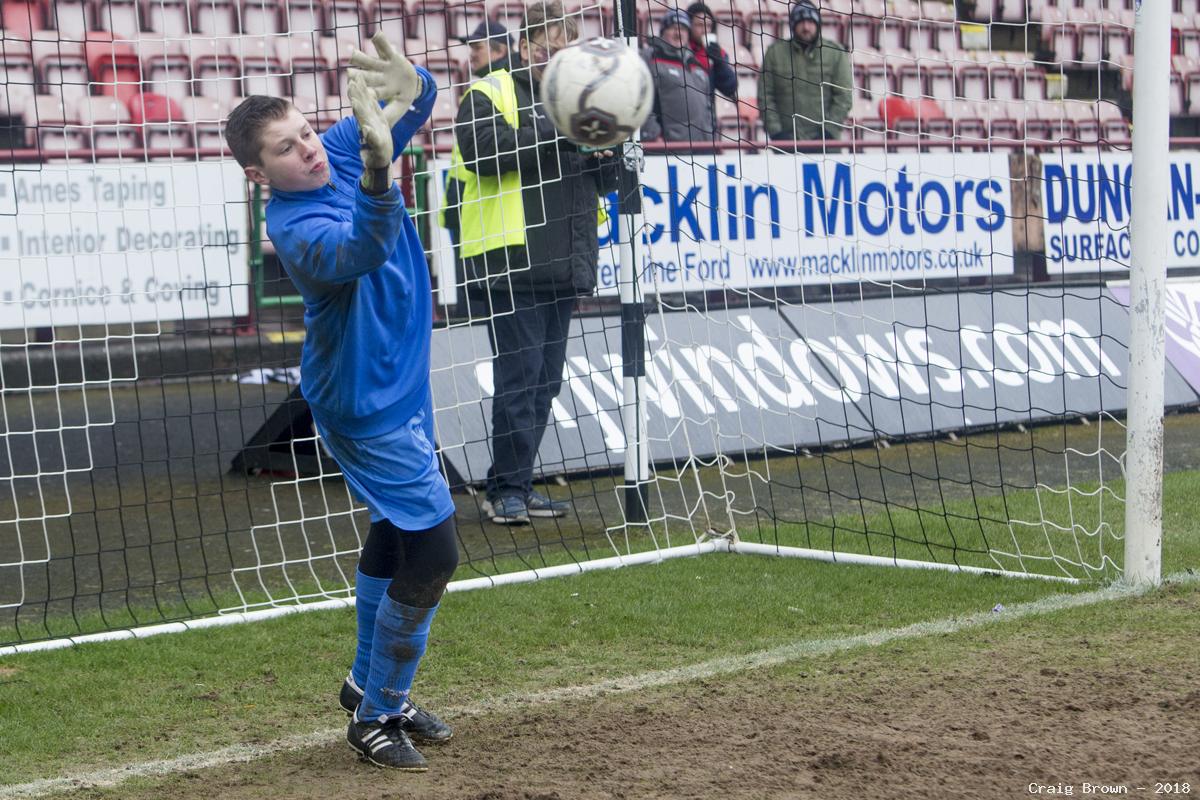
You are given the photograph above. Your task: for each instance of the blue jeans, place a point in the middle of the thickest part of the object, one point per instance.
(528, 335)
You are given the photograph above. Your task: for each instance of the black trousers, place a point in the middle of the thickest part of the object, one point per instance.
(528, 335)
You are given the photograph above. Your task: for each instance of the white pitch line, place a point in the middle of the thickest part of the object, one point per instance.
(775, 656)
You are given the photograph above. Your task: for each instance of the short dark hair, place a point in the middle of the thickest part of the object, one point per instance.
(243, 130)
(698, 9)
(542, 15)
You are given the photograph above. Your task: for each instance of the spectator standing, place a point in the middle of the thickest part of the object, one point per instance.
(703, 43)
(806, 87)
(530, 247)
(684, 105)
(491, 49)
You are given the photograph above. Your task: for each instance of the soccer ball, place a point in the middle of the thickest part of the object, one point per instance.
(598, 92)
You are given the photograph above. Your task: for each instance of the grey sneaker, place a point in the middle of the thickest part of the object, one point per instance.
(538, 505)
(509, 510)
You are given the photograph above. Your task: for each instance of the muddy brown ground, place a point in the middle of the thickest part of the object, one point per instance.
(975, 715)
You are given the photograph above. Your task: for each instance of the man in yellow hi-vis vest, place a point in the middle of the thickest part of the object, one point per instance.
(529, 244)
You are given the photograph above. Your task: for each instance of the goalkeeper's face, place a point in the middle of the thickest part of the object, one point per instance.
(292, 157)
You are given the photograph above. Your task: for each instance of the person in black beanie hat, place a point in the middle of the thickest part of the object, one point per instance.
(703, 42)
(806, 88)
(683, 109)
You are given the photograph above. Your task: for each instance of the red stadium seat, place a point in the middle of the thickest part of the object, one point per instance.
(113, 66)
(21, 19)
(974, 79)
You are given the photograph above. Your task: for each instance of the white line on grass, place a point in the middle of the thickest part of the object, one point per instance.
(631, 683)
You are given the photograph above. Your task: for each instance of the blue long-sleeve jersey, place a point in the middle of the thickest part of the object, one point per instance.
(360, 267)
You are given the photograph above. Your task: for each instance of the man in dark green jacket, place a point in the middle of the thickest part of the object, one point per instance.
(806, 87)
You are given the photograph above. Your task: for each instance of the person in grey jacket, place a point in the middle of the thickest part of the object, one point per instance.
(684, 109)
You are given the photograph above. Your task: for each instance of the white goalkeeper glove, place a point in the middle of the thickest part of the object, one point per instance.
(393, 78)
(374, 137)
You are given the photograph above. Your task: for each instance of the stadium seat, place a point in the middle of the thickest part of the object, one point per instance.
(216, 71)
(207, 117)
(910, 78)
(1089, 32)
(21, 19)
(445, 109)
(429, 27)
(1182, 68)
(55, 125)
(730, 33)
(16, 66)
(872, 75)
(70, 18)
(835, 25)
(1189, 42)
(929, 36)
(301, 56)
(1005, 120)
(1113, 125)
(864, 24)
(262, 71)
(347, 19)
(304, 16)
(763, 28)
(13, 101)
(122, 18)
(447, 73)
(261, 17)
(171, 18)
(61, 65)
(113, 67)
(107, 120)
(974, 78)
(166, 66)
(894, 109)
(892, 33)
(214, 17)
(337, 55)
(938, 75)
(511, 14)
(389, 17)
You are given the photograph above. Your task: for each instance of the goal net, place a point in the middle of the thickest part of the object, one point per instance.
(873, 309)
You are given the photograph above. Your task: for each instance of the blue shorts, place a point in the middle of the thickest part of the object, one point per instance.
(395, 475)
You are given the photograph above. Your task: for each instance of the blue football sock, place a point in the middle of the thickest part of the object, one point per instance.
(401, 633)
(368, 592)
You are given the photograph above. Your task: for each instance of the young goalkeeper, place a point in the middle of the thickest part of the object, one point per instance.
(340, 228)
